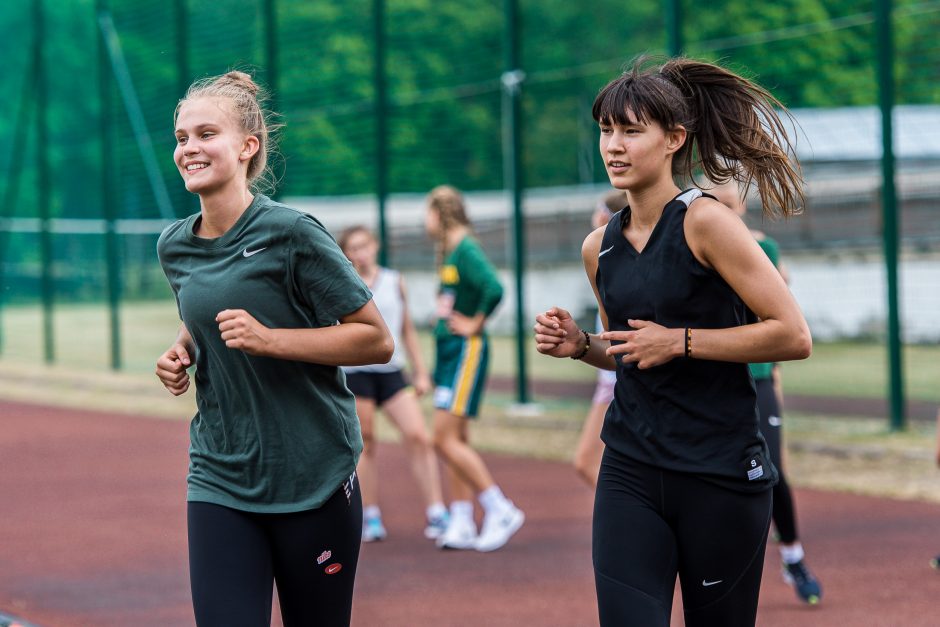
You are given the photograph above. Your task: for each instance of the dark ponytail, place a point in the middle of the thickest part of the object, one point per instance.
(733, 125)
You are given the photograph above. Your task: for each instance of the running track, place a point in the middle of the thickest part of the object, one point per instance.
(92, 533)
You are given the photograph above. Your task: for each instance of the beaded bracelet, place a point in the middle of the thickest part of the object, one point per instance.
(688, 342)
(587, 346)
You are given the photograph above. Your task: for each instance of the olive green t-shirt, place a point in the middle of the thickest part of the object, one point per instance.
(771, 249)
(269, 435)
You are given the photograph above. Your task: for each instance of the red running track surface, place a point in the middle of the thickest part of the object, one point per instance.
(92, 532)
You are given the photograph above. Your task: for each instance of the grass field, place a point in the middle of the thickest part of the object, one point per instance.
(82, 342)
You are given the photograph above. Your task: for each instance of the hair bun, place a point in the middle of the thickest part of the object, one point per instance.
(241, 79)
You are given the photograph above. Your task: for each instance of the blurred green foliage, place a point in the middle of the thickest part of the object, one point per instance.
(444, 60)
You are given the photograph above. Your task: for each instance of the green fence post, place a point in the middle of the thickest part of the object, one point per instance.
(12, 191)
(674, 43)
(381, 128)
(181, 22)
(270, 49)
(190, 203)
(108, 205)
(889, 205)
(512, 79)
(42, 172)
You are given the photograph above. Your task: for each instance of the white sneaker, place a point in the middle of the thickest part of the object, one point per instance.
(461, 533)
(499, 527)
(436, 526)
(373, 530)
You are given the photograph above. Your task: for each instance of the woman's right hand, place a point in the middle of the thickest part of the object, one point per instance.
(171, 369)
(557, 334)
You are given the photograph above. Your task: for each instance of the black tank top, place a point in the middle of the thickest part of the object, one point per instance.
(687, 415)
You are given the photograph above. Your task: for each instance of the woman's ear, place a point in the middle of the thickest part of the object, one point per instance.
(675, 138)
(249, 148)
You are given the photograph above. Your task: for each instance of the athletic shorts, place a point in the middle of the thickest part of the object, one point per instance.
(460, 374)
(376, 386)
(604, 392)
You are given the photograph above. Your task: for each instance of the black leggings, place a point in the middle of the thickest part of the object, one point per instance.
(652, 524)
(770, 426)
(236, 556)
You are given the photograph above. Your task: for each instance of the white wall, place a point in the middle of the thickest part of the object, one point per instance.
(840, 297)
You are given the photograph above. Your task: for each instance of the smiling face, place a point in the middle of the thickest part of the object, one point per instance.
(637, 153)
(212, 151)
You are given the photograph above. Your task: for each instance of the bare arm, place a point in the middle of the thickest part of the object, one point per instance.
(409, 336)
(720, 240)
(360, 338)
(556, 333)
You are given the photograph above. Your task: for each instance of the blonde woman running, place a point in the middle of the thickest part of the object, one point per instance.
(270, 309)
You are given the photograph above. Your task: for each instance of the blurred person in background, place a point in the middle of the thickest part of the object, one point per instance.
(270, 310)
(385, 387)
(587, 456)
(767, 380)
(468, 294)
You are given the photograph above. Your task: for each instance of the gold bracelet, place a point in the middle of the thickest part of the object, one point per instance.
(688, 342)
(587, 346)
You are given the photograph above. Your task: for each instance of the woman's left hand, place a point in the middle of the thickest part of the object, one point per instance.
(422, 383)
(242, 332)
(647, 345)
(465, 326)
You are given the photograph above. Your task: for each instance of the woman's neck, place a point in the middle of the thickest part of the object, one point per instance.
(455, 236)
(646, 205)
(221, 210)
(369, 274)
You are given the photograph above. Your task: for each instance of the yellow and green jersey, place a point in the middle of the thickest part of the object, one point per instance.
(469, 285)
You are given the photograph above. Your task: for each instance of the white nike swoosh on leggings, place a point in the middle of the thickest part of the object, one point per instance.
(710, 583)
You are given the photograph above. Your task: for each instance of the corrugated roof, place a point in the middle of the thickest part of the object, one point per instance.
(854, 133)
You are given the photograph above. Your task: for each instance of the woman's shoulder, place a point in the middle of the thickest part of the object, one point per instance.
(174, 232)
(275, 211)
(469, 247)
(299, 223)
(705, 213)
(389, 273)
(592, 243)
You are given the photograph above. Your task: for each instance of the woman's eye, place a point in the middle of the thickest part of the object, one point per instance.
(207, 135)
(606, 130)
(180, 140)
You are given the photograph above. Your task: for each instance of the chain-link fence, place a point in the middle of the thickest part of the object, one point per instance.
(92, 85)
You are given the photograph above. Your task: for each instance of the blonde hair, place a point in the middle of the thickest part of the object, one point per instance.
(448, 202)
(246, 97)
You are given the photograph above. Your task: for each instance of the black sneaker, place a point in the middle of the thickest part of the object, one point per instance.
(806, 586)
